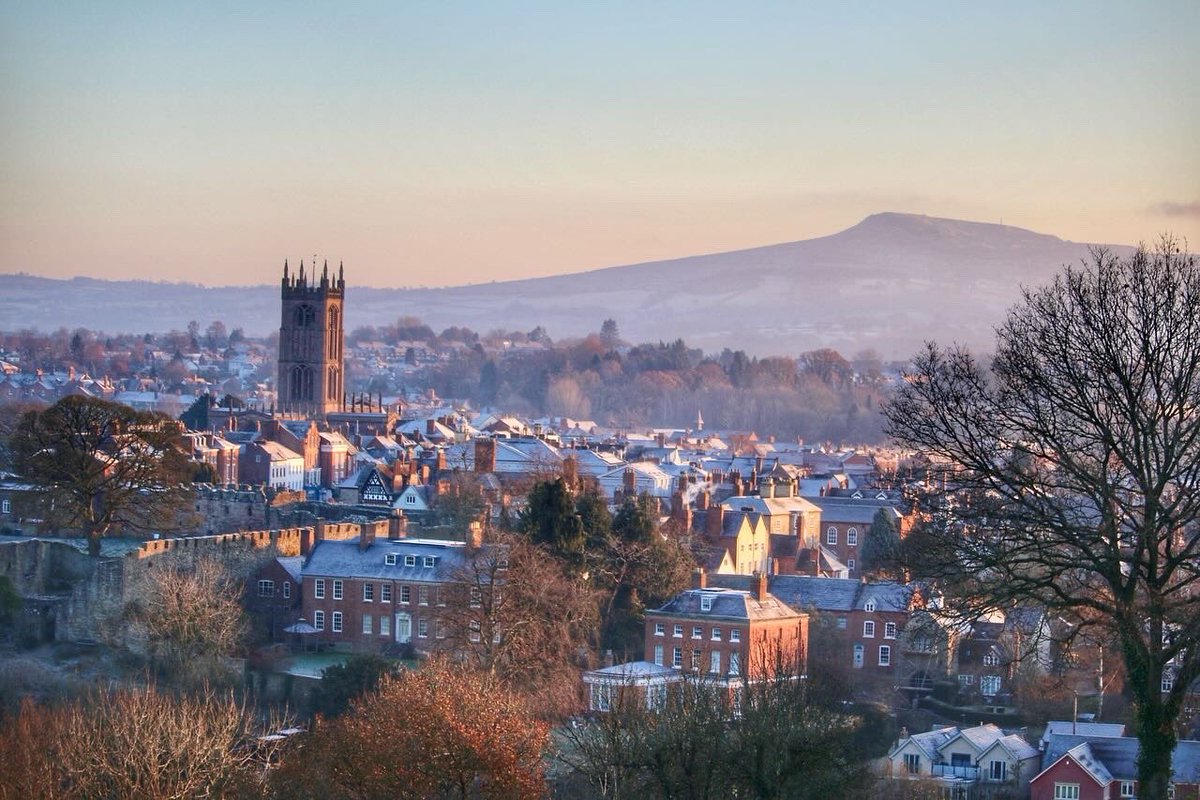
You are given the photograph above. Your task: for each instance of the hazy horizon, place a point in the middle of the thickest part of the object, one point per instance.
(444, 146)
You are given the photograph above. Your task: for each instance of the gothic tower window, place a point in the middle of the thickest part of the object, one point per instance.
(332, 390)
(304, 316)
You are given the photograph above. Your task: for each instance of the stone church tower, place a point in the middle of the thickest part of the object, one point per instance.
(311, 373)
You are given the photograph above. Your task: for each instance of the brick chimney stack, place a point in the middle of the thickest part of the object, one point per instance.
(485, 455)
(366, 536)
(699, 578)
(760, 586)
(397, 526)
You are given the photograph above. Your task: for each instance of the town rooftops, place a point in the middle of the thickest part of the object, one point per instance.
(726, 604)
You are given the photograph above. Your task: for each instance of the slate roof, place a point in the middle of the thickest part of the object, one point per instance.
(1118, 754)
(726, 604)
(293, 565)
(1089, 729)
(342, 559)
(826, 594)
(848, 509)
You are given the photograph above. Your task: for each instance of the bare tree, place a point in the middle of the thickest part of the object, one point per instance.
(135, 743)
(193, 620)
(514, 613)
(1078, 458)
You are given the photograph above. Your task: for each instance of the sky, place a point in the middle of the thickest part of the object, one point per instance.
(442, 143)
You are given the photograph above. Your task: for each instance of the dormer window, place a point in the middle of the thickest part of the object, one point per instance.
(870, 606)
(430, 561)
(410, 561)
(390, 559)
(706, 602)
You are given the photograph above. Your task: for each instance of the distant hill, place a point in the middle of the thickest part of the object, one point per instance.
(890, 282)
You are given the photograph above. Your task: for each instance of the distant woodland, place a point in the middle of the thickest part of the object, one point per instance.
(818, 395)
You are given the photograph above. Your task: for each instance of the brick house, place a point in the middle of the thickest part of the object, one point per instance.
(845, 522)
(865, 620)
(1105, 768)
(726, 636)
(272, 596)
(363, 594)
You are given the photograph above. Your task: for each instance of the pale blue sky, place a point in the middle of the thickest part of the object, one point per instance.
(439, 143)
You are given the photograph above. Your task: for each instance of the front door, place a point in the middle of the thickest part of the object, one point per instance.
(403, 628)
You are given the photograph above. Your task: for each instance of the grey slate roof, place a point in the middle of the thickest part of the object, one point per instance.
(826, 594)
(1118, 754)
(342, 559)
(726, 604)
(848, 509)
(292, 564)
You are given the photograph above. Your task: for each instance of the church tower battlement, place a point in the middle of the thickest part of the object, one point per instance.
(311, 374)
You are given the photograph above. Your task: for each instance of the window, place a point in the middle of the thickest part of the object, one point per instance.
(405, 595)
(6, 506)
(439, 629)
(831, 536)
(423, 595)
(367, 620)
(287, 590)
(966, 679)
(850, 564)
(885, 655)
(1127, 789)
(1168, 682)
(660, 629)
(390, 559)
(430, 561)
(869, 629)
(601, 697)
(735, 664)
(678, 632)
(385, 593)
(319, 588)
(1066, 791)
(658, 655)
(337, 622)
(852, 536)
(368, 593)
(677, 658)
(697, 632)
(695, 660)
(998, 771)
(385, 626)
(266, 588)
(858, 656)
(1171, 791)
(476, 597)
(337, 589)
(656, 695)
(841, 623)
(410, 561)
(735, 635)
(889, 630)
(714, 662)
(912, 763)
(716, 634)
(319, 620)
(989, 685)
(870, 606)
(423, 628)
(706, 602)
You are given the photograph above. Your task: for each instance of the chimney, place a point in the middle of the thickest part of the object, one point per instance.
(714, 521)
(366, 536)
(306, 542)
(760, 586)
(702, 500)
(430, 427)
(699, 578)
(758, 464)
(475, 534)
(629, 483)
(485, 455)
(661, 438)
(570, 470)
(397, 526)
(441, 460)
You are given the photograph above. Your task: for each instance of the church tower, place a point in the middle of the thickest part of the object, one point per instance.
(310, 343)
